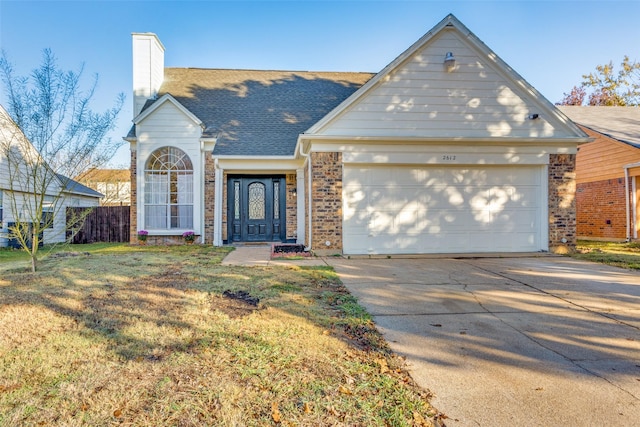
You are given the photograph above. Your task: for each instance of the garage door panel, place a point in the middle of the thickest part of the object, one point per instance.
(450, 220)
(442, 210)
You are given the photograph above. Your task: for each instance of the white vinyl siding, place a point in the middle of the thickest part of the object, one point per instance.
(458, 209)
(421, 99)
(168, 126)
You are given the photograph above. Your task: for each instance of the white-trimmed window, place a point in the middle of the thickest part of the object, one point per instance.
(47, 211)
(168, 190)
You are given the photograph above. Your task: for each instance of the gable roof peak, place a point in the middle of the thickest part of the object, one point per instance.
(166, 98)
(451, 28)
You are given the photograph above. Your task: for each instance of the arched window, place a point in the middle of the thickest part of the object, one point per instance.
(168, 190)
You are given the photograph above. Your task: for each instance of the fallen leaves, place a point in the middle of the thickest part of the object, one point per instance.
(275, 412)
(344, 390)
(382, 363)
(419, 420)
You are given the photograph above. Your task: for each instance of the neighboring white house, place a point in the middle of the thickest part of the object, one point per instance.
(447, 149)
(16, 197)
(115, 184)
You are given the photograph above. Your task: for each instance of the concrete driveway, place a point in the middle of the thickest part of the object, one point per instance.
(540, 341)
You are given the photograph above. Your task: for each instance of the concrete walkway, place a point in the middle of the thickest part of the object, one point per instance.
(260, 255)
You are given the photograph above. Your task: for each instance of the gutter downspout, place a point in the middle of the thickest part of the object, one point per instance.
(626, 196)
(635, 208)
(308, 157)
(203, 163)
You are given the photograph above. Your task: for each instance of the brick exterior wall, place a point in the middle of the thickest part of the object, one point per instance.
(209, 197)
(602, 211)
(326, 196)
(562, 203)
(327, 205)
(133, 213)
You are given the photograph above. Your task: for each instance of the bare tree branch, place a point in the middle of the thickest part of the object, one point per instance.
(49, 134)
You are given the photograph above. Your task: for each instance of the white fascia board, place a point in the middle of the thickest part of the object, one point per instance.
(253, 158)
(251, 165)
(419, 140)
(443, 148)
(164, 99)
(207, 145)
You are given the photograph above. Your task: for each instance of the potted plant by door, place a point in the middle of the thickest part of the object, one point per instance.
(142, 237)
(189, 237)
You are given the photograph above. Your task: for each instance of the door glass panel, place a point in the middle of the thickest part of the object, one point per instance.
(236, 201)
(256, 201)
(276, 200)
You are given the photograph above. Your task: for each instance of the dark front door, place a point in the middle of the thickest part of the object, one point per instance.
(256, 208)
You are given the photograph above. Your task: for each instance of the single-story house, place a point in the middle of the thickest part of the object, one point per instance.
(608, 172)
(445, 150)
(17, 198)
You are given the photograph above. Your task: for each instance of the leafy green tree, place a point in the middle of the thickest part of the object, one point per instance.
(49, 133)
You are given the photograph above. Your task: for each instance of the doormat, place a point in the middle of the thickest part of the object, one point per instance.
(288, 250)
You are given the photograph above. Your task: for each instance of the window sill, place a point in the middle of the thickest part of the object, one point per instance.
(172, 232)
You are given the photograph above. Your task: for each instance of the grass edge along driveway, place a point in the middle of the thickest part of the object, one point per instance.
(145, 336)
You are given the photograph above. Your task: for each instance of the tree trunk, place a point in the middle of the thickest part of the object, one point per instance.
(33, 251)
(34, 262)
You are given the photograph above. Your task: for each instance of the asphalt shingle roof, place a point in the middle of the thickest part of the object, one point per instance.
(621, 123)
(258, 113)
(73, 186)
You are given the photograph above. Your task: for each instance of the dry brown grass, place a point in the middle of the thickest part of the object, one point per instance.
(146, 338)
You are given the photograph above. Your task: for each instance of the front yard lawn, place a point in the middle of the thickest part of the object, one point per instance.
(621, 254)
(155, 336)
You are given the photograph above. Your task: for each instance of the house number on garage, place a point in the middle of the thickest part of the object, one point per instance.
(448, 157)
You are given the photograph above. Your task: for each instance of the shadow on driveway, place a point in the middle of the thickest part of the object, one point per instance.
(511, 341)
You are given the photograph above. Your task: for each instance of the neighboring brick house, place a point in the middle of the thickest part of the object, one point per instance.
(445, 150)
(607, 203)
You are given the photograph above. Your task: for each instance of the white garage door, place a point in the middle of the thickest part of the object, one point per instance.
(413, 210)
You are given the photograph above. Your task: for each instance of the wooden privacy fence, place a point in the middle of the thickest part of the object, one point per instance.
(102, 224)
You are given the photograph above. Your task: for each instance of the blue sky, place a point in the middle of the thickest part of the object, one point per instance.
(550, 43)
